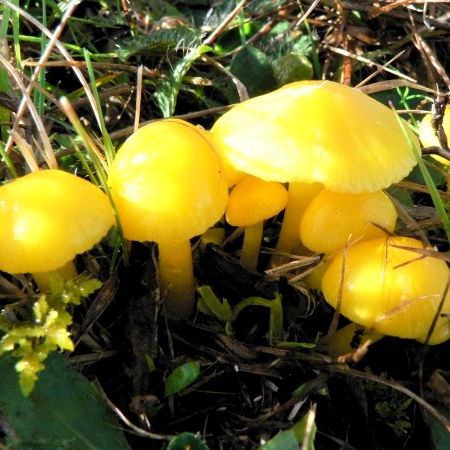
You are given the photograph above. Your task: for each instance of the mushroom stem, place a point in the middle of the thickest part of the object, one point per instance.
(346, 340)
(251, 245)
(66, 272)
(299, 196)
(177, 277)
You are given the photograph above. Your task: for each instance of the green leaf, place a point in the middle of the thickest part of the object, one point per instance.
(167, 92)
(439, 435)
(292, 67)
(187, 441)
(284, 440)
(64, 412)
(159, 41)
(276, 313)
(182, 377)
(210, 304)
(253, 68)
(402, 195)
(416, 175)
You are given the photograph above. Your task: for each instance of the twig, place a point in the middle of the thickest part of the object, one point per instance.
(127, 422)
(221, 27)
(137, 115)
(341, 51)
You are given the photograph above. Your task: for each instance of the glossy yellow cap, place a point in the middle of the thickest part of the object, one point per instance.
(332, 220)
(392, 290)
(47, 218)
(316, 131)
(253, 200)
(167, 183)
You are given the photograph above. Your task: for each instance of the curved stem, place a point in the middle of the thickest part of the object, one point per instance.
(300, 195)
(43, 279)
(177, 278)
(251, 245)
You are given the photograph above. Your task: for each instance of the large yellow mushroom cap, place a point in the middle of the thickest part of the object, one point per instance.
(167, 183)
(317, 131)
(47, 218)
(392, 290)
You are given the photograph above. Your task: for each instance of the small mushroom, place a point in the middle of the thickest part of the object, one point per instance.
(332, 220)
(315, 132)
(428, 137)
(251, 202)
(46, 219)
(389, 286)
(168, 187)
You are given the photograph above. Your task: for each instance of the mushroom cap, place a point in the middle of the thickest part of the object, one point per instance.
(332, 219)
(428, 137)
(392, 290)
(317, 131)
(167, 183)
(47, 218)
(253, 200)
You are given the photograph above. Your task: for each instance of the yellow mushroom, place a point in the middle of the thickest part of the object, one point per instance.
(251, 202)
(333, 220)
(168, 186)
(315, 132)
(428, 137)
(46, 219)
(388, 286)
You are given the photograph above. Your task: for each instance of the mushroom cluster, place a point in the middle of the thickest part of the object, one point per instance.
(337, 149)
(321, 151)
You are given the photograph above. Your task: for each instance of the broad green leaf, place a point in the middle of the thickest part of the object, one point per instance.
(253, 68)
(292, 67)
(416, 175)
(402, 195)
(182, 377)
(187, 441)
(439, 435)
(64, 411)
(284, 440)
